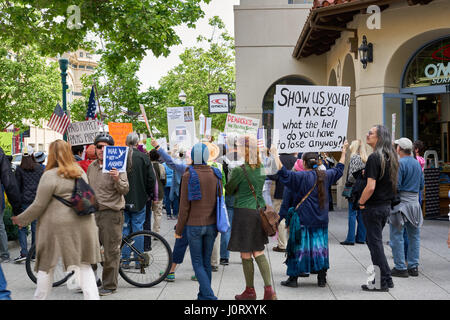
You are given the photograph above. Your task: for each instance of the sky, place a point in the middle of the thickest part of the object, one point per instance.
(152, 68)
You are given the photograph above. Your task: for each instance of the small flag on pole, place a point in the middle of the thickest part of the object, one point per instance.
(59, 121)
(91, 113)
(260, 137)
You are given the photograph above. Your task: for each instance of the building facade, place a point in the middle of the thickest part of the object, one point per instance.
(80, 63)
(406, 87)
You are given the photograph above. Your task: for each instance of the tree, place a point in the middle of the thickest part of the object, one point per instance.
(128, 27)
(200, 72)
(30, 87)
(118, 92)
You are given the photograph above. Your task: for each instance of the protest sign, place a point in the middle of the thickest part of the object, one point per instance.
(119, 132)
(115, 157)
(144, 115)
(79, 133)
(181, 126)
(241, 125)
(311, 118)
(6, 142)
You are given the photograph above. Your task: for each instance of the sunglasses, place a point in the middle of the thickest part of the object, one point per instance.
(99, 147)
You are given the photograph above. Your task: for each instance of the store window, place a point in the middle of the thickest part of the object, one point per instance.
(430, 66)
(268, 99)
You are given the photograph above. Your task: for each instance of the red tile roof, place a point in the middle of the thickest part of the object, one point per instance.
(326, 3)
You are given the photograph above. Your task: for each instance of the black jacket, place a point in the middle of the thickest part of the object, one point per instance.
(28, 181)
(9, 183)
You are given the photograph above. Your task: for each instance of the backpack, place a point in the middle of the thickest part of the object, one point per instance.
(83, 198)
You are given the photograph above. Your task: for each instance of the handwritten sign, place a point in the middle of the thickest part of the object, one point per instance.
(311, 118)
(241, 125)
(119, 132)
(80, 133)
(6, 142)
(115, 157)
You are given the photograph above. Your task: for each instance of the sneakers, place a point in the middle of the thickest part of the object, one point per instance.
(125, 266)
(170, 276)
(106, 292)
(366, 288)
(5, 260)
(224, 262)
(399, 273)
(413, 272)
(194, 278)
(214, 268)
(20, 259)
(346, 243)
(278, 249)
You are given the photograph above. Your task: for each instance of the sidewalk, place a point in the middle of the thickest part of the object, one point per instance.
(347, 272)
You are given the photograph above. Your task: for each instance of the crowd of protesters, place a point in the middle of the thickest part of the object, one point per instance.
(383, 187)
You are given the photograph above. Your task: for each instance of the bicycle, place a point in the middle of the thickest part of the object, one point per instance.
(151, 265)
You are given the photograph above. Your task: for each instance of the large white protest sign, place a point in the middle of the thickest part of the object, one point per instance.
(79, 133)
(241, 125)
(181, 125)
(311, 118)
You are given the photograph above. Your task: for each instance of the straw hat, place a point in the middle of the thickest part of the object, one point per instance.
(213, 149)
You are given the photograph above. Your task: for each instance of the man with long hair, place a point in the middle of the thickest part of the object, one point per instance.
(375, 201)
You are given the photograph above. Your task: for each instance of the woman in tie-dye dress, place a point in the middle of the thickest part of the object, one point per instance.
(307, 249)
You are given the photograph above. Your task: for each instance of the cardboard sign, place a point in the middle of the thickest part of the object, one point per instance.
(80, 133)
(311, 118)
(6, 142)
(241, 125)
(119, 132)
(181, 126)
(114, 157)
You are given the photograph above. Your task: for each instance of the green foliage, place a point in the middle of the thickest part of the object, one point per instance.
(30, 86)
(128, 27)
(200, 72)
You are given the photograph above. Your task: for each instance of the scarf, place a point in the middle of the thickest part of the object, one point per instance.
(199, 155)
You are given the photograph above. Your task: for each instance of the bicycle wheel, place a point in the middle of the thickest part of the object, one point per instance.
(59, 276)
(143, 268)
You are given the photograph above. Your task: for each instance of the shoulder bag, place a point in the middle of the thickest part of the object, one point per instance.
(83, 200)
(269, 218)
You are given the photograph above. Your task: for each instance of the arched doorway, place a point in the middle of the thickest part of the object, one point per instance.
(332, 80)
(348, 80)
(267, 104)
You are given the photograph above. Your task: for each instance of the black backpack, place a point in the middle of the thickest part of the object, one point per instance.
(83, 198)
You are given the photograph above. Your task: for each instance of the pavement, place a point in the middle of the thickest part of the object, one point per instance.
(347, 272)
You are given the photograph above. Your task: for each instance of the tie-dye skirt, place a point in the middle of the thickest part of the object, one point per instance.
(309, 252)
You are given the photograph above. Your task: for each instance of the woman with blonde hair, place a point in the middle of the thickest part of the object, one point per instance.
(358, 159)
(60, 232)
(247, 234)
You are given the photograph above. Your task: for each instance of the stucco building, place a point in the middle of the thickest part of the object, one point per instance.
(406, 86)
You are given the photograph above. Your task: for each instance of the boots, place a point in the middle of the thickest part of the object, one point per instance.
(322, 278)
(290, 282)
(248, 294)
(269, 294)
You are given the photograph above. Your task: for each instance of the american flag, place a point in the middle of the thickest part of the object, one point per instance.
(260, 137)
(91, 113)
(59, 121)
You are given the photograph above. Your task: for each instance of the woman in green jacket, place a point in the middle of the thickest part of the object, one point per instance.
(247, 234)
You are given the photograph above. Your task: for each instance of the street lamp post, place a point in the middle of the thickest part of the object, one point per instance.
(63, 63)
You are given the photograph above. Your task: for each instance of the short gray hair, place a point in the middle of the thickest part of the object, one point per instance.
(132, 139)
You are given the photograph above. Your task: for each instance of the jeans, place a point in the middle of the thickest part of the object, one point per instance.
(375, 218)
(167, 202)
(201, 242)
(148, 225)
(397, 244)
(4, 253)
(175, 205)
(179, 249)
(353, 216)
(23, 233)
(4, 294)
(225, 236)
(133, 222)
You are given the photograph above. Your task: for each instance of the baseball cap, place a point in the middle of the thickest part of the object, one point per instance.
(404, 143)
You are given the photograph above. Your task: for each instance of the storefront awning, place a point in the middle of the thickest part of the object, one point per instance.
(328, 18)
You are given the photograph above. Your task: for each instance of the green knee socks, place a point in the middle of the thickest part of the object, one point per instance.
(264, 268)
(249, 272)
